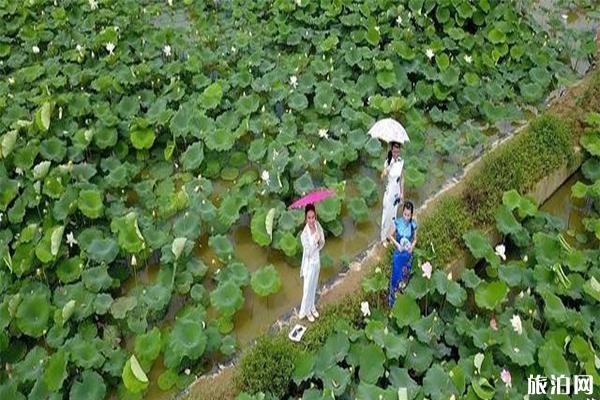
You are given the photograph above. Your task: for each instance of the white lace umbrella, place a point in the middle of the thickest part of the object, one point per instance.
(389, 130)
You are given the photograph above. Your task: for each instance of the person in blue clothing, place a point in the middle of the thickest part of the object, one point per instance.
(404, 237)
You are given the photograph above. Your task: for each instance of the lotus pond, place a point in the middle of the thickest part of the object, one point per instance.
(529, 308)
(172, 134)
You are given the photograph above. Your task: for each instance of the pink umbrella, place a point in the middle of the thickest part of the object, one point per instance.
(313, 197)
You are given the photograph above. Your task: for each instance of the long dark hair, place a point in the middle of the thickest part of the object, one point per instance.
(309, 207)
(408, 205)
(389, 155)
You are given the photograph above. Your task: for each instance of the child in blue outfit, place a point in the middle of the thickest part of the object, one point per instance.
(404, 237)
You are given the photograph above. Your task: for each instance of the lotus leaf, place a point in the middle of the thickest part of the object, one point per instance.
(228, 345)
(591, 169)
(235, 272)
(167, 379)
(266, 281)
(187, 339)
(103, 250)
(192, 158)
(375, 283)
(405, 310)
(303, 367)
(400, 378)
(130, 380)
(69, 270)
(178, 246)
(53, 149)
(187, 225)
(8, 191)
(90, 203)
(29, 369)
(227, 298)
(288, 243)
(336, 379)
(122, 305)
(56, 370)
(329, 209)
(9, 390)
(437, 383)
(491, 294)
(222, 246)
(358, 209)
(128, 233)
(550, 357)
(96, 279)
(211, 97)
(547, 248)
(32, 315)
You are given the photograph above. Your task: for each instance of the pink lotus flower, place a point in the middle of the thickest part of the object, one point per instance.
(426, 268)
(506, 378)
(493, 324)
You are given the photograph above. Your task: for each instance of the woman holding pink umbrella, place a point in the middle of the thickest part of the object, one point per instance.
(313, 240)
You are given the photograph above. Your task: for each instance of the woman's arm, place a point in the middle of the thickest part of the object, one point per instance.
(402, 187)
(414, 242)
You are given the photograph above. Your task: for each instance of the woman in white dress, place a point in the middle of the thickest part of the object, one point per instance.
(313, 241)
(394, 190)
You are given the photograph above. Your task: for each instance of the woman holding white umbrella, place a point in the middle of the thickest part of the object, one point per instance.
(394, 189)
(394, 133)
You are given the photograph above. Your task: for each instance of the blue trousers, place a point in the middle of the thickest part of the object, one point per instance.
(401, 265)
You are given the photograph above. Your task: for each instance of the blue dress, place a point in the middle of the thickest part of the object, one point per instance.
(401, 260)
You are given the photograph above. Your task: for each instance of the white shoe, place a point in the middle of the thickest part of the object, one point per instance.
(315, 314)
(301, 316)
(310, 318)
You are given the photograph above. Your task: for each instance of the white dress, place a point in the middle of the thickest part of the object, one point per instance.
(391, 198)
(311, 265)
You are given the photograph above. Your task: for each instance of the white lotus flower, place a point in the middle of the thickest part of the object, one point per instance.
(364, 308)
(167, 50)
(11, 80)
(429, 53)
(133, 260)
(110, 46)
(515, 321)
(93, 4)
(233, 49)
(468, 59)
(294, 81)
(71, 239)
(399, 20)
(426, 268)
(501, 251)
(170, 3)
(187, 371)
(299, 3)
(323, 133)
(265, 175)
(449, 276)
(35, 49)
(565, 17)
(525, 258)
(18, 171)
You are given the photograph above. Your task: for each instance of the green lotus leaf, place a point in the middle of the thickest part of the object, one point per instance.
(193, 156)
(229, 211)
(303, 367)
(324, 98)
(246, 105)
(137, 369)
(68, 310)
(443, 61)
(84, 351)
(490, 294)
(428, 329)
(371, 359)
(90, 387)
(506, 221)
(373, 35)
(103, 250)
(554, 309)
(358, 209)
(43, 249)
(142, 138)
(592, 225)
(266, 281)
(547, 248)
(400, 379)
(298, 101)
(102, 303)
(496, 36)
(96, 279)
(413, 177)
(69, 270)
(29, 369)
(7, 143)
(367, 188)
(187, 225)
(531, 92)
(9, 390)
(304, 184)
(177, 246)
(368, 391)
(227, 298)
(449, 77)
(479, 246)
(211, 97)
(550, 357)
(235, 272)
(187, 339)
(288, 243)
(511, 273)
(41, 170)
(90, 203)
(375, 283)
(56, 370)
(229, 173)
(386, 79)
(131, 382)
(42, 116)
(592, 288)
(455, 294)
(53, 149)
(122, 305)
(33, 314)
(167, 379)
(483, 389)
(405, 310)
(8, 191)
(336, 379)
(222, 247)
(329, 209)
(128, 233)
(591, 169)
(158, 296)
(437, 383)
(591, 142)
